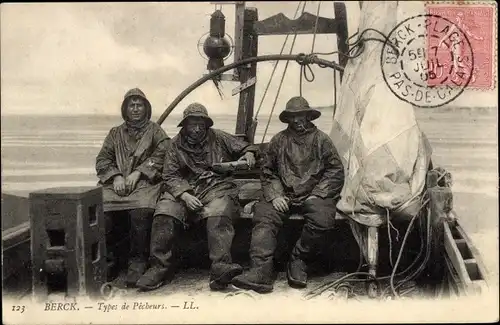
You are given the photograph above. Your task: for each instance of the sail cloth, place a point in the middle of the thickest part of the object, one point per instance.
(384, 152)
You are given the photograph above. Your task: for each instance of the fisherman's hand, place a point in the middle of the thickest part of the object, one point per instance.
(249, 157)
(119, 185)
(132, 179)
(280, 204)
(311, 197)
(191, 201)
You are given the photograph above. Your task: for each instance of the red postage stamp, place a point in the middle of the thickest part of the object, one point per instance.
(477, 22)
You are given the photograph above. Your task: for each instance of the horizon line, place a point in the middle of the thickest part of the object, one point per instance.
(227, 113)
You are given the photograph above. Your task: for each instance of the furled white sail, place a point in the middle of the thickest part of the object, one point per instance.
(385, 154)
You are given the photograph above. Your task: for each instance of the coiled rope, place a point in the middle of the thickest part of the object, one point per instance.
(334, 284)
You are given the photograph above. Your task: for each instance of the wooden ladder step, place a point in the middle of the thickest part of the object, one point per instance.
(473, 269)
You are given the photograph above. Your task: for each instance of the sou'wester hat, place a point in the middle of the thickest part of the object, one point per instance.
(298, 105)
(198, 110)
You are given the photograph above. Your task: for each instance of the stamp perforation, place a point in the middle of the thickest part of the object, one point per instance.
(493, 45)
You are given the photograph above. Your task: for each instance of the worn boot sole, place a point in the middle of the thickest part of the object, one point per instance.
(134, 273)
(130, 284)
(225, 279)
(257, 287)
(294, 283)
(144, 288)
(131, 281)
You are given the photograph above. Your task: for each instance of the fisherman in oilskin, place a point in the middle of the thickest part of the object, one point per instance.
(302, 173)
(195, 192)
(129, 169)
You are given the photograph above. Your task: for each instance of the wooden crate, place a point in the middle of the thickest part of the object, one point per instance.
(68, 250)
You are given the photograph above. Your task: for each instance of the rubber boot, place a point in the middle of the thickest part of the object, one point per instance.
(222, 274)
(263, 244)
(296, 272)
(308, 244)
(259, 279)
(220, 234)
(163, 234)
(140, 229)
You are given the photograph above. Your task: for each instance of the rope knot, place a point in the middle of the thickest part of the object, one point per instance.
(301, 58)
(306, 59)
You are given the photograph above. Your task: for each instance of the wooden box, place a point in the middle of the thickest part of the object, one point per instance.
(68, 249)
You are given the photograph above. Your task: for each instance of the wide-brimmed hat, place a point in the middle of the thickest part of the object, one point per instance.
(197, 110)
(298, 105)
(137, 93)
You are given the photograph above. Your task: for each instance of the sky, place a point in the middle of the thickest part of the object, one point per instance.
(81, 58)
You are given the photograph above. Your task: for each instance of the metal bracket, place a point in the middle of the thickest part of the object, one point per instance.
(250, 82)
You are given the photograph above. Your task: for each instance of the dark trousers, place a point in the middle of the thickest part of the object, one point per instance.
(319, 215)
(140, 221)
(220, 233)
(140, 234)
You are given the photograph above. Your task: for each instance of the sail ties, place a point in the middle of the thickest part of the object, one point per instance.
(355, 50)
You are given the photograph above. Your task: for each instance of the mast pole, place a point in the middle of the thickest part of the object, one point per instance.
(239, 17)
(247, 96)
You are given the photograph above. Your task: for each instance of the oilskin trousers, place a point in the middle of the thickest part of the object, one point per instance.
(319, 217)
(140, 231)
(165, 231)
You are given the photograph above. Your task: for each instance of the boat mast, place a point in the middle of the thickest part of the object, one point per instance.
(247, 74)
(246, 35)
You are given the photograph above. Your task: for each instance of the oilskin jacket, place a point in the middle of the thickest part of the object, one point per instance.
(190, 169)
(296, 166)
(126, 149)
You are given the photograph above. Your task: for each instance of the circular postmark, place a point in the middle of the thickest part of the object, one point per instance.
(427, 61)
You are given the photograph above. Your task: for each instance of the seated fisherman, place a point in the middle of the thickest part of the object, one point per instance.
(301, 172)
(195, 192)
(129, 169)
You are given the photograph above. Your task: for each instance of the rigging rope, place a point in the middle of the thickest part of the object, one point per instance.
(315, 27)
(359, 44)
(284, 57)
(333, 284)
(281, 81)
(356, 47)
(275, 66)
(303, 73)
(334, 91)
(335, 77)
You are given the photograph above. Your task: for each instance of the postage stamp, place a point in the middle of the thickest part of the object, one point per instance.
(427, 61)
(477, 21)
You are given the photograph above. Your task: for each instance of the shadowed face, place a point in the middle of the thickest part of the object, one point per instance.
(136, 109)
(196, 127)
(299, 121)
